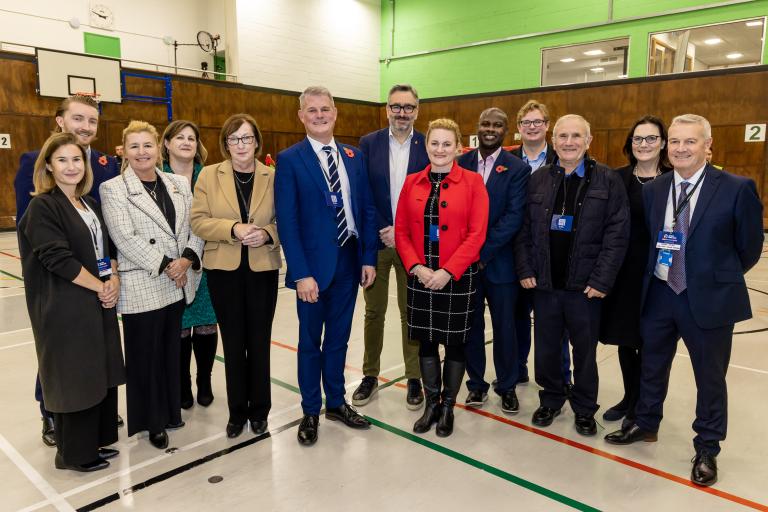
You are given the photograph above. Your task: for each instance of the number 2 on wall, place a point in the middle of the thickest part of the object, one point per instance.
(754, 133)
(5, 141)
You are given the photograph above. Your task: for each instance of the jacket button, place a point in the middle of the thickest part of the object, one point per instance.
(444, 227)
(444, 204)
(152, 240)
(445, 185)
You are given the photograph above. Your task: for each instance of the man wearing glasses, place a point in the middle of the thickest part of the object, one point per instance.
(392, 153)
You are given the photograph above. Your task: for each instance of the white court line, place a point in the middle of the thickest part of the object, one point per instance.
(53, 497)
(17, 345)
(764, 372)
(15, 331)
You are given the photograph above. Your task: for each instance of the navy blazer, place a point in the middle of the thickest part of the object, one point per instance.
(375, 147)
(307, 226)
(507, 195)
(725, 239)
(24, 186)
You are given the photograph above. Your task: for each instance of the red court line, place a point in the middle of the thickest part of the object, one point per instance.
(9, 255)
(589, 449)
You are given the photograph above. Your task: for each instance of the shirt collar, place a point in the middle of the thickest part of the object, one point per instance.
(407, 139)
(693, 179)
(318, 146)
(493, 156)
(578, 171)
(543, 154)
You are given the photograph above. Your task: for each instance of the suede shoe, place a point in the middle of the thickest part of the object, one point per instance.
(476, 398)
(415, 397)
(307, 434)
(585, 424)
(544, 416)
(347, 415)
(509, 402)
(365, 391)
(704, 472)
(631, 434)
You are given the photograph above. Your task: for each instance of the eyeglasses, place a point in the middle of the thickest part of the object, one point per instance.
(649, 139)
(534, 122)
(408, 109)
(245, 139)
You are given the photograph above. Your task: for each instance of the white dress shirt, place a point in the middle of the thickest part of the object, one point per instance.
(346, 194)
(484, 167)
(662, 271)
(398, 168)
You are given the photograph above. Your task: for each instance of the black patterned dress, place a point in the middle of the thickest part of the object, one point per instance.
(439, 316)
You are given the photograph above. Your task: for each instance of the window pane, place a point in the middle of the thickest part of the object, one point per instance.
(589, 62)
(727, 45)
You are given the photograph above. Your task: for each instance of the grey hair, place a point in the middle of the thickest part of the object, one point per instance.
(315, 90)
(572, 117)
(404, 88)
(694, 119)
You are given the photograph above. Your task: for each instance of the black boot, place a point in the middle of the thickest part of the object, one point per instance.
(185, 354)
(453, 374)
(430, 376)
(205, 353)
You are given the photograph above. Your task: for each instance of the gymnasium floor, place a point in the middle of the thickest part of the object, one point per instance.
(492, 461)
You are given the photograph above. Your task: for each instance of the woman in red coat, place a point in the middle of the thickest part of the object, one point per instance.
(440, 226)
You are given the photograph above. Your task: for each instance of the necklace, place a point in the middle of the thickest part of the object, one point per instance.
(647, 178)
(152, 191)
(244, 182)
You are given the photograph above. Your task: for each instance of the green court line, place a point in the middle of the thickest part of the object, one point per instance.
(10, 275)
(547, 493)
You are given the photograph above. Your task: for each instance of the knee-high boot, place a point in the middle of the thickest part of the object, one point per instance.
(453, 374)
(205, 353)
(430, 376)
(185, 354)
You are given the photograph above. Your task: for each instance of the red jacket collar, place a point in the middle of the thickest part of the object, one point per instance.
(454, 175)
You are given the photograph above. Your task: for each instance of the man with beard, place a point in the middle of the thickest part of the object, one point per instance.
(506, 179)
(78, 115)
(392, 153)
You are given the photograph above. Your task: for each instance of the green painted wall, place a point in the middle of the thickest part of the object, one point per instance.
(97, 44)
(424, 25)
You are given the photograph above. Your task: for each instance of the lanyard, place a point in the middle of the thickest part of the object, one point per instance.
(677, 208)
(565, 190)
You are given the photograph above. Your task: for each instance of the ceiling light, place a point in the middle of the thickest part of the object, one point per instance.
(593, 53)
(597, 70)
(714, 40)
(734, 55)
(567, 60)
(756, 23)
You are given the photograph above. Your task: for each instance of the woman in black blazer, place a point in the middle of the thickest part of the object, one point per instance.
(72, 288)
(645, 148)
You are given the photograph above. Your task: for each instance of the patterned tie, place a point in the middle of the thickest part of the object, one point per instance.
(676, 276)
(342, 233)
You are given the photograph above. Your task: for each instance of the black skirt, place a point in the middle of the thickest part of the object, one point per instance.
(440, 316)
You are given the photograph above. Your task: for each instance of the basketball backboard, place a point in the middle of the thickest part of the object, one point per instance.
(62, 74)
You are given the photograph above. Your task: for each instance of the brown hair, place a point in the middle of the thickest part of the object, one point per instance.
(530, 106)
(231, 125)
(42, 177)
(77, 98)
(173, 129)
(139, 127)
(445, 124)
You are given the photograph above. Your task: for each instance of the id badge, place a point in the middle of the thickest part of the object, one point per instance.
(670, 240)
(665, 257)
(562, 223)
(105, 267)
(333, 199)
(434, 233)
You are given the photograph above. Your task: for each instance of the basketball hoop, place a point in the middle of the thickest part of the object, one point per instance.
(93, 95)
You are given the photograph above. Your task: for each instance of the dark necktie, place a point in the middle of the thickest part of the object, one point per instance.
(676, 276)
(342, 233)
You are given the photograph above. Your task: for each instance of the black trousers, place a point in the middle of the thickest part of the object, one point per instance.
(80, 434)
(245, 302)
(556, 312)
(152, 389)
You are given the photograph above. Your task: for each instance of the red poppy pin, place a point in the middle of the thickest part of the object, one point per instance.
(103, 160)
(349, 152)
(269, 161)
(501, 168)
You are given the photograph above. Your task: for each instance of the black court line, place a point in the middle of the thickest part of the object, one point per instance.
(186, 467)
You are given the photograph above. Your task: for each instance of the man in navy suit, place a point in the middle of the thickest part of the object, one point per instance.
(708, 228)
(392, 153)
(506, 178)
(78, 115)
(327, 226)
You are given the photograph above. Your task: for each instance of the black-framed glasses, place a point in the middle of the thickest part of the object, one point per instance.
(533, 122)
(649, 139)
(397, 108)
(245, 139)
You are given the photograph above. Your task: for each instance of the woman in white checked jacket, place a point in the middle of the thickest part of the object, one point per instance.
(147, 212)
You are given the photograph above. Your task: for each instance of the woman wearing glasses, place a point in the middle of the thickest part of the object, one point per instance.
(620, 318)
(234, 212)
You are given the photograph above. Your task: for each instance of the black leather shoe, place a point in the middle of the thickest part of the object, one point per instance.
(108, 453)
(415, 397)
(175, 426)
(444, 426)
(159, 440)
(631, 434)
(365, 391)
(234, 429)
(49, 439)
(475, 398)
(82, 468)
(585, 424)
(308, 429)
(347, 415)
(509, 402)
(704, 472)
(544, 416)
(258, 427)
(617, 412)
(120, 422)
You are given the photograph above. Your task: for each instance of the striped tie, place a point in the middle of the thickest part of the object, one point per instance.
(342, 233)
(676, 277)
